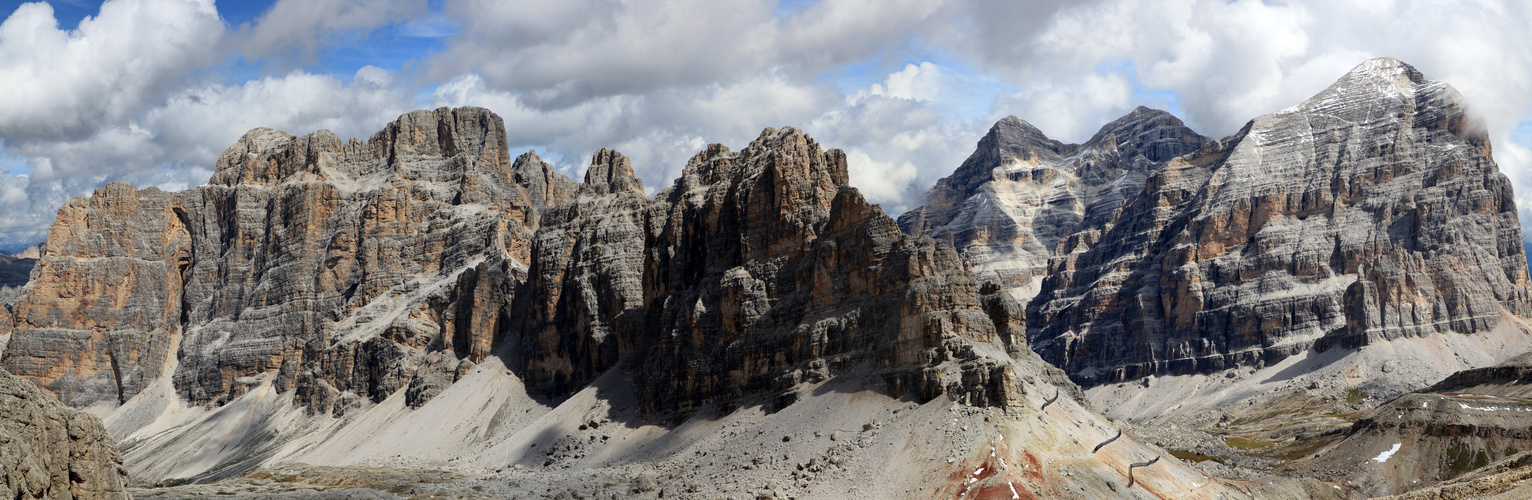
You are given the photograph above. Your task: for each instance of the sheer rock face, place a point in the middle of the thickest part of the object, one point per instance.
(1370, 212)
(583, 304)
(1009, 204)
(338, 268)
(50, 451)
(104, 313)
(766, 269)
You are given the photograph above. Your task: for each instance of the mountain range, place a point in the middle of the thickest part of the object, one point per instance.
(1152, 313)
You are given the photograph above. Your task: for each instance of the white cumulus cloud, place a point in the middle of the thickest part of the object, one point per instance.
(60, 84)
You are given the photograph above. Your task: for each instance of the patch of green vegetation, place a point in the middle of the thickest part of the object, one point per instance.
(1261, 418)
(1464, 458)
(1349, 417)
(1192, 456)
(1301, 449)
(1240, 443)
(171, 483)
(1280, 412)
(1354, 396)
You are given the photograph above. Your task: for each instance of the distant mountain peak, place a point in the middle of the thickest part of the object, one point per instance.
(1008, 241)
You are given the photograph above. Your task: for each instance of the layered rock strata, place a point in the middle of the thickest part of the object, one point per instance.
(102, 317)
(1370, 212)
(1019, 194)
(754, 272)
(50, 451)
(343, 272)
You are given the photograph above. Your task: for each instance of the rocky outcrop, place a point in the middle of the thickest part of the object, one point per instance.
(1009, 204)
(102, 316)
(756, 271)
(341, 270)
(1370, 212)
(767, 270)
(50, 451)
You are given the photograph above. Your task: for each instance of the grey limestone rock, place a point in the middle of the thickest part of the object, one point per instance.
(1371, 211)
(339, 271)
(583, 303)
(50, 451)
(754, 272)
(1007, 207)
(103, 314)
(331, 267)
(767, 265)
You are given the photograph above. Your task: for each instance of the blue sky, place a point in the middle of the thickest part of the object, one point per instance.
(152, 91)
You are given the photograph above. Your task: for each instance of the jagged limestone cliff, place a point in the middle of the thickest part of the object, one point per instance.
(342, 270)
(346, 271)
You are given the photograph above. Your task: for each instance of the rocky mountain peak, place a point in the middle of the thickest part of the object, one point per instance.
(468, 131)
(1008, 206)
(784, 148)
(236, 164)
(343, 225)
(1368, 213)
(1014, 133)
(1381, 70)
(783, 176)
(544, 185)
(1156, 134)
(610, 172)
(1398, 91)
(1380, 82)
(799, 276)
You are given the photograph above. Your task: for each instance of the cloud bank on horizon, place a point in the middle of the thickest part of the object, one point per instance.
(152, 91)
